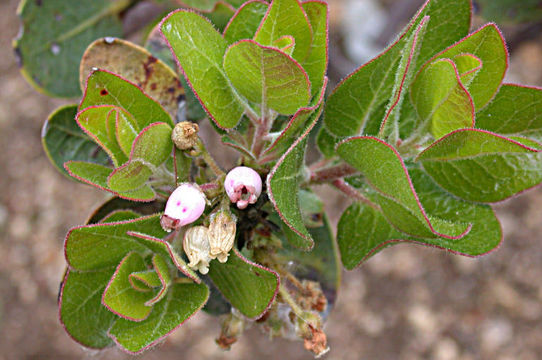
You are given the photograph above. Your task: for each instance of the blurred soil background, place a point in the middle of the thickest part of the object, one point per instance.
(407, 302)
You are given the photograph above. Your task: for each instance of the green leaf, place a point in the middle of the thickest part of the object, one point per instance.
(468, 66)
(245, 22)
(182, 163)
(364, 231)
(161, 268)
(220, 15)
(515, 110)
(249, 287)
(286, 17)
(105, 88)
(199, 49)
(282, 183)
(181, 302)
(298, 123)
(115, 204)
(441, 100)
(157, 46)
(403, 77)
(63, 140)
(81, 310)
(208, 5)
(160, 246)
(481, 166)
(119, 295)
(137, 65)
(386, 172)
(54, 35)
(267, 76)
(150, 149)
(98, 246)
(97, 175)
(120, 215)
(359, 100)
(316, 62)
(488, 45)
(100, 123)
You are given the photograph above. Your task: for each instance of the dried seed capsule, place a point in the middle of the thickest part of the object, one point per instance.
(196, 247)
(221, 235)
(185, 135)
(184, 206)
(243, 186)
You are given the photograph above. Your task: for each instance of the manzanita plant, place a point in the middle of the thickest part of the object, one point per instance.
(422, 139)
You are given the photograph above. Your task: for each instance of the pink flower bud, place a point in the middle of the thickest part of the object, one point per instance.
(184, 206)
(243, 186)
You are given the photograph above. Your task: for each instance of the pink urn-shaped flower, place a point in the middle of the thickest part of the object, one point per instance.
(184, 206)
(243, 186)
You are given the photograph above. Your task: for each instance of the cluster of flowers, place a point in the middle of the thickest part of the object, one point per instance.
(186, 204)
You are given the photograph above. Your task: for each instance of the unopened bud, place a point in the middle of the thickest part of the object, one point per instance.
(196, 248)
(221, 235)
(243, 186)
(184, 206)
(185, 135)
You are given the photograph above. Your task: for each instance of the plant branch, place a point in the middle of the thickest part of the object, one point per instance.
(210, 160)
(352, 193)
(332, 173)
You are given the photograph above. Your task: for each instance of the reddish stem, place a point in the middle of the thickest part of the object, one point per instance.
(332, 173)
(352, 193)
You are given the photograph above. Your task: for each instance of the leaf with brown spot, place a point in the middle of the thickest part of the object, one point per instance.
(135, 64)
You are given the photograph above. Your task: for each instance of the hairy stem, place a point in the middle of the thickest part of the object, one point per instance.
(352, 193)
(210, 160)
(332, 173)
(298, 311)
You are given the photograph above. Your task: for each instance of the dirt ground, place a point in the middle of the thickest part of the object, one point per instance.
(408, 302)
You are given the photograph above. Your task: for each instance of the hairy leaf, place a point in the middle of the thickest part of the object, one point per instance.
(245, 22)
(137, 65)
(481, 166)
(63, 140)
(199, 50)
(385, 171)
(267, 76)
(249, 287)
(54, 36)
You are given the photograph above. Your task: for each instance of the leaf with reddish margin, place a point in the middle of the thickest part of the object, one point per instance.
(468, 66)
(364, 231)
(80, 309)
(181, 302)
(100, 123)
(249, 287)
(209, 5)
(97, 175)
(115, 204)
(63, 140)
(440, 99)
(244, 23)
(105, 88)
(98, 246)
(516, 110)
(135, 64)
(120, 215)
(403, 78)
(282, 185)
(488, 45)
(297, 123)
(160, 246)
(199, 51)
(386, 172)
(266, 75)
(120, 297)
(482, 166)
(286, 17)
(316, 62)
(237, 145)
(150, 149)
(161, 268)
(357, 102)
